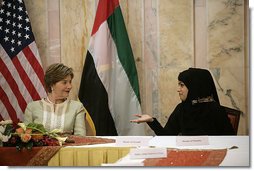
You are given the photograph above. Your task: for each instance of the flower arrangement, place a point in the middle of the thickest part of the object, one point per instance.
(28, 136)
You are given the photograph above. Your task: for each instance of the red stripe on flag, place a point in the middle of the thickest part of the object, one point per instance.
(34, 63)
(26, 80)
(104, 10)
(8, 106)
(13, 85)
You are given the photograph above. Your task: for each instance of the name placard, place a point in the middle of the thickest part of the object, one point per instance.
(191, 140)
(126, 141)
(143, 153)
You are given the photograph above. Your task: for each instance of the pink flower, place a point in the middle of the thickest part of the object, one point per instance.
(19, 130)
(25, 137)
(28, 131)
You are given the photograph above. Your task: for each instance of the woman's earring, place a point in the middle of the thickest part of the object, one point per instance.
(52, 89)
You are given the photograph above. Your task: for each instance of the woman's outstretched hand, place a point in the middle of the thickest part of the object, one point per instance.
(142, 118)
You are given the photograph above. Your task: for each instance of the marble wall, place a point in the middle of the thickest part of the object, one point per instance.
(226, 53)
(163, 35)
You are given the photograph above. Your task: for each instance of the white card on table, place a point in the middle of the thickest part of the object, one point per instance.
(132, 141)
(143, 153)
(191, 140)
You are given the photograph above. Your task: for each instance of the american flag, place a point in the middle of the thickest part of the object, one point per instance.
(21, 72)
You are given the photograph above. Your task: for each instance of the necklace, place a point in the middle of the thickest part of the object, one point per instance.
(49, 100)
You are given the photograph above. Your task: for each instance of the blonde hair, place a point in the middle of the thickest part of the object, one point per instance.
(54, 73)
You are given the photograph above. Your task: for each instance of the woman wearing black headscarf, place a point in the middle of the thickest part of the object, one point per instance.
(199, 113)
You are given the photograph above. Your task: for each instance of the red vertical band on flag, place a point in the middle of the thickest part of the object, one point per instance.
(104, 10)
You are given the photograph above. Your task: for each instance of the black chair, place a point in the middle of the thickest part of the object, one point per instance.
(234, 117)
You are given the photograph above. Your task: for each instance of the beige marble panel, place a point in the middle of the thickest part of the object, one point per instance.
(226, 53)
(176, 50)
(150, 60)
(37, 11)
(76, 21)
(226, 33)
(54, 31)
(176, 33)
(200, 34)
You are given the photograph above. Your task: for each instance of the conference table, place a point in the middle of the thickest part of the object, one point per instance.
(232, 150)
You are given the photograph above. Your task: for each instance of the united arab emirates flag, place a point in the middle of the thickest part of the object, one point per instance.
(109, 86)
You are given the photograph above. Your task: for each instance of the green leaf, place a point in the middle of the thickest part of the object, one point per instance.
(37, 127)
(8, 129)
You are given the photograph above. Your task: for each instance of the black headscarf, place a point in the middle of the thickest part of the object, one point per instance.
(199, 83)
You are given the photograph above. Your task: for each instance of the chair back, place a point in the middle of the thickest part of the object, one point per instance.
(234, 117)
(90, 128)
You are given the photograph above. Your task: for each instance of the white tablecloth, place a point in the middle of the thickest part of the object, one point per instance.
(234, 157)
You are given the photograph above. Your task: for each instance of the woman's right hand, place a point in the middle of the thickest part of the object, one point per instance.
(142, 118)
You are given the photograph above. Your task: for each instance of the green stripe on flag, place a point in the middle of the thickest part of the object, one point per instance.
(124, 50)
